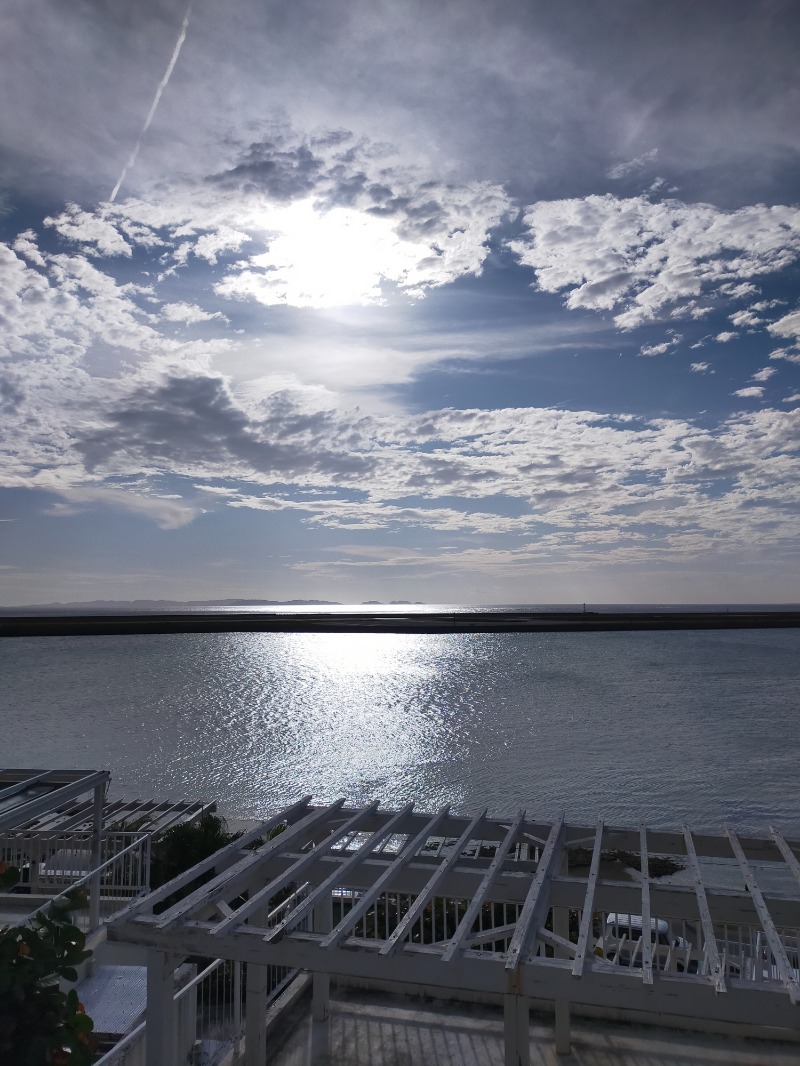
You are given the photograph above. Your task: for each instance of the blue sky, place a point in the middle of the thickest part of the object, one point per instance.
(455, 302)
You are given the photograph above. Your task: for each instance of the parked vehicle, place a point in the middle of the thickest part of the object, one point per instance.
(621, 938)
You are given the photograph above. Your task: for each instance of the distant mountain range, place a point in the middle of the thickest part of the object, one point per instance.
(162, 605)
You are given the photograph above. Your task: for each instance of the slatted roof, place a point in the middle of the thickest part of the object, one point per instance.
(143, 816)
(26, 795)
(61, 801)
(510, 886)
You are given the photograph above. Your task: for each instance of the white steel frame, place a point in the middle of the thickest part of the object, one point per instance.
(366, 854)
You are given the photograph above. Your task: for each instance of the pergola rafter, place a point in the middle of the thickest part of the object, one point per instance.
(482, 905)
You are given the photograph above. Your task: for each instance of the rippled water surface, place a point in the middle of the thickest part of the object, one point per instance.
(697, 726)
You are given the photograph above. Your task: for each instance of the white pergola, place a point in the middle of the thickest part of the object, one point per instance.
(28, 795)
(61, 801)
(344, 863)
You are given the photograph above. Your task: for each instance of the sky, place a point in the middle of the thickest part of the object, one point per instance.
(467, 301)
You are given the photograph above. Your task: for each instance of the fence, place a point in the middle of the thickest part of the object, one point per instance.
(51, 862)
(214, 1001)
(492, 930)
(211, 1008)
(676, 947)
(101, 892)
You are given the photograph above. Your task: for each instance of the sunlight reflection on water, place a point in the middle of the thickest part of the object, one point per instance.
(666, 727)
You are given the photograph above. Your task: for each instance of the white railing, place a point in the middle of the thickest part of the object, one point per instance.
(105, 889)
(746, 954)
(51, 862)
(211, 1007)
(493, 926)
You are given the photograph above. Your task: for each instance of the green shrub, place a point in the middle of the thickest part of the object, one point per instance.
(39, 1024)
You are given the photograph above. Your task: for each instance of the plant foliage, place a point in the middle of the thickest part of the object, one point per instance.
(39, 1024)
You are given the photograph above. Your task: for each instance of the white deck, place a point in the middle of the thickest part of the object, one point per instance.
(376, 1030)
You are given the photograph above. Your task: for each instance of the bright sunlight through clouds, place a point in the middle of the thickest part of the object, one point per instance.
(461, 302)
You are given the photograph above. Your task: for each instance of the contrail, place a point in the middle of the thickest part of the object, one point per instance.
(154, 106)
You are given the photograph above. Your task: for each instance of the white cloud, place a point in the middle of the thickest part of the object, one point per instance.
(700, 368)
(322, 223)
(327, 259)
(319, 255)
(752, 392)
(25, 245)
(739, 290)
(725, 337)
(159, 509)
(764, 374)
(788, 326)
(642, 260)
(189, 313)
(794, 398)
(92, 230)
(627, 167)
(655, 349)
(786, 355)
(746, 318)
(535, 473)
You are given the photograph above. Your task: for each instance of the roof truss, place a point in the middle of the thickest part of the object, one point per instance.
(494, 886)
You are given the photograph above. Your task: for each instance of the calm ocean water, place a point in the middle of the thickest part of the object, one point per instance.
(665, 727)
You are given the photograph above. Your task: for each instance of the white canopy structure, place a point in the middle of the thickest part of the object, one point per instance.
(27, 795)
(513, 906)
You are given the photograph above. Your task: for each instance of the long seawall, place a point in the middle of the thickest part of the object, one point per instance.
(45, 625)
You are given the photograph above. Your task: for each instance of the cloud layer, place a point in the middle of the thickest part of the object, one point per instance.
(645, 260)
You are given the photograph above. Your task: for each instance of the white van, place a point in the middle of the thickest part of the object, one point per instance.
(621, 941)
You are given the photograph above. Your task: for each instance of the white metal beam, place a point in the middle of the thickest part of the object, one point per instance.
(338, 876)
(537, 901)
(231, 881)
(147, 903)
(426, 893)
(588, 902)
(263, 895)
(161, 1014)
(24, 784)
(381, 885)
(771, 933)
(516, 1031)
(717, 973)
(461, 935)
(647, 932)
(681, 994)
(61, 793)
(788, 854)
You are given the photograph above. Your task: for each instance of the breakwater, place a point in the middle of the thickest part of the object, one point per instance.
(43, 625)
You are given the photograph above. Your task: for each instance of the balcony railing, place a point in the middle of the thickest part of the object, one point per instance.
(211, 1008)
(55, 865)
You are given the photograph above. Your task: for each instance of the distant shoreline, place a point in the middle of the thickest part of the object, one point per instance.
(470, 621)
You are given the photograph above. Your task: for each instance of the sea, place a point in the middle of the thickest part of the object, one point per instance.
(666, 728)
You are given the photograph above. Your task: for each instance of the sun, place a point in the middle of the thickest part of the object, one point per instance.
(329, 258)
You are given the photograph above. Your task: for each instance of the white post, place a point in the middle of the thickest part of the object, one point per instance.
(255, 1009)
(516, 1030)
(97, 835)
(323, 923)
(255, 1032)
(237, 1008)
(160, 1031)
(320, 1049)
(561, 928)
(148, 850)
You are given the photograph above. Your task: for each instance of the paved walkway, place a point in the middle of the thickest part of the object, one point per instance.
(376, 1030)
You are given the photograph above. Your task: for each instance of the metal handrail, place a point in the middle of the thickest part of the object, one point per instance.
(85, 880)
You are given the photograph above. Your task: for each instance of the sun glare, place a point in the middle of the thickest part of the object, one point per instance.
(331, 258)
